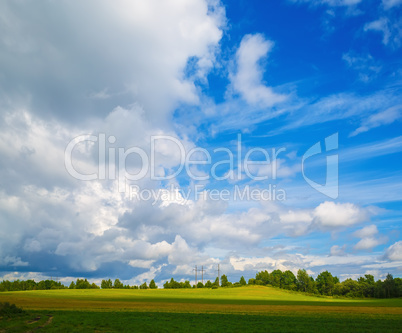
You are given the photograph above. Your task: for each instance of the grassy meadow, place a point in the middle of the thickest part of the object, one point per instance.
(251, 308)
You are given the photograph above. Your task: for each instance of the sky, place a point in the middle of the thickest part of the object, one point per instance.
(141, 138)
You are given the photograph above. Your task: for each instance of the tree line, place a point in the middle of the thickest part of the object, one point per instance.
(324, 284)
(172, 284)
(327, 284)
(117, 284)
(18, 285)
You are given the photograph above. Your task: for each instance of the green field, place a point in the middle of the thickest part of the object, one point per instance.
(252, 308)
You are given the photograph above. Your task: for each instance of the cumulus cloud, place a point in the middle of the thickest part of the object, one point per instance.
(367, 231)
(108, 72)
(100, 55)
(121, 70)
(394, 252)
(248, 78)
(368, 237)
(330, 214)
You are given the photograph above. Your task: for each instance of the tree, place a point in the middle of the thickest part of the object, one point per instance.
(389, 286)
(367, 285)
(275, 278)
(302, 280)
(208, 284)
(216, 283)
(117, 284)
(288, 280)
(243, 281)
(106, 284)
(262, 278)
(398, 287)
(349, 287)
(144, 286)
(224, 281)
(72, 285)
(82, 284)
(152, 285)
(200, 285)
(325, 283)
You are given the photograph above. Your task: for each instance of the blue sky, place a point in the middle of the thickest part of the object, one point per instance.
(181, 110)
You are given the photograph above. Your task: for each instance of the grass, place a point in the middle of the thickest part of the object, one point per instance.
(243, 309)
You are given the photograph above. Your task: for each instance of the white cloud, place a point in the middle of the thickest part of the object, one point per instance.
(330, 214)
(394, 252)
(368, 239)
(141, 263)
(337, 250)
(336, 107)
(248, 79)
(373, 149)
(367, 231)
(32, 246)
(388, 4)
(386, 117)
(332, 3)
(367, 243)
(13, 261)
(107, 54)
(391, 30)
(366, 65)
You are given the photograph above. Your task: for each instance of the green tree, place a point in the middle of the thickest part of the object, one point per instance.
(82, 284)
(208, 284)
(144, 286)
(288, 280)
(106, 284)
(325, 283)
(275, 278)
(262, 278)
(72, 285)
(367, 284)
(243, 281)
(216, 283)
(302, 280)
(152, 285)
(224, 281)
(312, 287)
(389, 286)
(117, 284)
(200, 285)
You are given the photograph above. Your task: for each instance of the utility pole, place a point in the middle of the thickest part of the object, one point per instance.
(195, 275)
(202, 272)
(219, 275)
